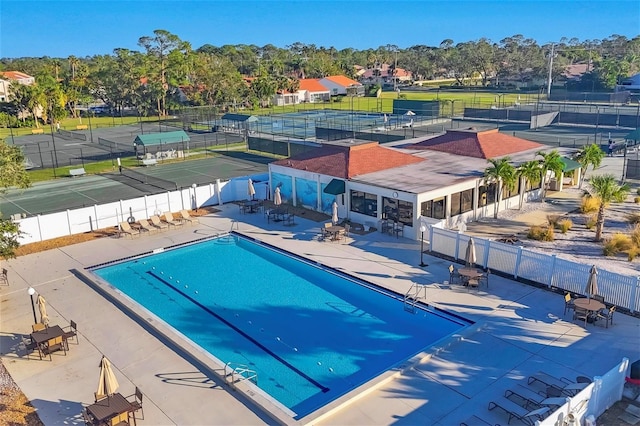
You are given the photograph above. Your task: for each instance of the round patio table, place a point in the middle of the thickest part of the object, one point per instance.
(589, 304)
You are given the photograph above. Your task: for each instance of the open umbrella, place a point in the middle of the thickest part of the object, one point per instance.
(42, 307)
(470, 256)
(108, 384)
(251, 189)
(592, 283)
(277, 198)
(334, 212)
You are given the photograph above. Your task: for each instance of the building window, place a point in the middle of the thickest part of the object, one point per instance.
(435, 208)
(487, 194)
(397, 210)
(364, 203)
(461, 202)
(508, 193)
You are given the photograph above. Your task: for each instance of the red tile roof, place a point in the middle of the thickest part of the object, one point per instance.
(479, 144)
(312, 85)
(15, 75)
(342, 80)
(349, 161)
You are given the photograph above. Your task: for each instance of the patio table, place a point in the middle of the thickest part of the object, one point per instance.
(469, 273)
(110, 407)
(43, 336)
(335, 230)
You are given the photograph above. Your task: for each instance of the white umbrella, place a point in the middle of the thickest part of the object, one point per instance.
(334, 213)
(592, 283)
(251, 189)
(277, 198)
(470, 256)
(42, 307)
(108, 384)
(409, 113)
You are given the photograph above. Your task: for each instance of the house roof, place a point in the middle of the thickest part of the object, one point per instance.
(342, 80)
(312, 85)
(15, 75)
(348, 161)
(575, 71)
(476, 143)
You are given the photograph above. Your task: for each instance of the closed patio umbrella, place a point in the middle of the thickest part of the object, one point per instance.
(251, 189)
(277, 198)
(108, 384)
(592, 283)
(42, 307)
(334, 213)
(470, 256)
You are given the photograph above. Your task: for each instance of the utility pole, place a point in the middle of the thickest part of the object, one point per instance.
(550, 70)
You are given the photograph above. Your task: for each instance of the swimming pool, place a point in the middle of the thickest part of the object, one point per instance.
(310, 333)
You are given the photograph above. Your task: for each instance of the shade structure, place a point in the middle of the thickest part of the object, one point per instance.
(334, 213)
(108, 384)
(251, 190)
(592, 282)
(42, 307)
(470, 256)
(277, 198)
(335, 187)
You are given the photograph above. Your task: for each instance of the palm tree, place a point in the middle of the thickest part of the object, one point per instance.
(589, 155)
(551, 161)
(607, 189)
(529, 172)
(503, 174)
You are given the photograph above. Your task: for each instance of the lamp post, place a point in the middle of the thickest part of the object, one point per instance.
(195, 200)
(423, 228)
(31, 292)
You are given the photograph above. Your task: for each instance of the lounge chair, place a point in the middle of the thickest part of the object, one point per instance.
(168, 218)
(475, 421)
(562, 384)
(188, 218)
(146, 226)
(516, 411)
(155, 221)
(526, 395)
(126, 229)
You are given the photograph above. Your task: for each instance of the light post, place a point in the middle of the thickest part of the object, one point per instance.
(31, 292)
(423, 228)
(195, 200)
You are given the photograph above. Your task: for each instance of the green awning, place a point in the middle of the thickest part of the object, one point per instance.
(335, 187)
(570, 165)
(150, 139)
(633, 136)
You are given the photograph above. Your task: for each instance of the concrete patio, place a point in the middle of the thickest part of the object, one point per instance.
(519, 330)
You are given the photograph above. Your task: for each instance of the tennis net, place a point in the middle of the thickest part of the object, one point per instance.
(112, 146)
(167, 185)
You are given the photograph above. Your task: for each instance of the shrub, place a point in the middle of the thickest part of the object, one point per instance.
(622, 242)
(636, 200)
(638, 191)
(609, 248)
(632, 253)
(633, 218)
(589, 204)
(635, 235)
(564, 225)
(591, 221)
(541, 234)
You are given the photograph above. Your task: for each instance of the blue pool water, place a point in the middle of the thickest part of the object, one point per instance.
(311, 334)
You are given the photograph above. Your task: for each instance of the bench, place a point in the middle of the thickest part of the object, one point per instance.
(37, 131)
(149, 162)
(82, 127)
(77, 172)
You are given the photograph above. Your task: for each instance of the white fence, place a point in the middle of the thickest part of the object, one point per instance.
(549, 270)
(99, 216)
(592, 401)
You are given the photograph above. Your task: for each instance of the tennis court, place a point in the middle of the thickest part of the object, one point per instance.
(69, 193)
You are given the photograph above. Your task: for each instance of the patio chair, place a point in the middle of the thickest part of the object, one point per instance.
(188, 218)
(454, 275)
(484, 278)
(324, 233)
(155, 221)
(146, 226)
(516, 411)
(54, 345)
(347, 229)
(473, 283)
(598, 298)
(136, 404)
(38, 326)
(581, 314)
(86, 418)
(568, 303)
(398, 229)
(168, 218)
(607, 315)
(29, 346)
(71, 332)
(4, 276)
(126, 229)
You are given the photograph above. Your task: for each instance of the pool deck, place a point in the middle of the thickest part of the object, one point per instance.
(519, 330)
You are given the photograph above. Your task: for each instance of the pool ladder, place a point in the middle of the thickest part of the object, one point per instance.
(416, 293)
(235, 373)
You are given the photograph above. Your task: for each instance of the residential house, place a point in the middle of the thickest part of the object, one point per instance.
(311, 90)
(341, 85)
(384, 74)
(10, 77)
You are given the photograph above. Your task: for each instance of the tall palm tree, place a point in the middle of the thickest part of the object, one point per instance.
(589, 155)
(607, 189)
(503, 174)
(551, 161)
(528, 172)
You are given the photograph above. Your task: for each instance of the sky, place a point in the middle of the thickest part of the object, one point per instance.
(96, 27)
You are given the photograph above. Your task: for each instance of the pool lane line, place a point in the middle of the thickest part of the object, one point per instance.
(238, 330)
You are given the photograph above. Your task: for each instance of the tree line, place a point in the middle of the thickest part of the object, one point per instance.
(167, 72)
